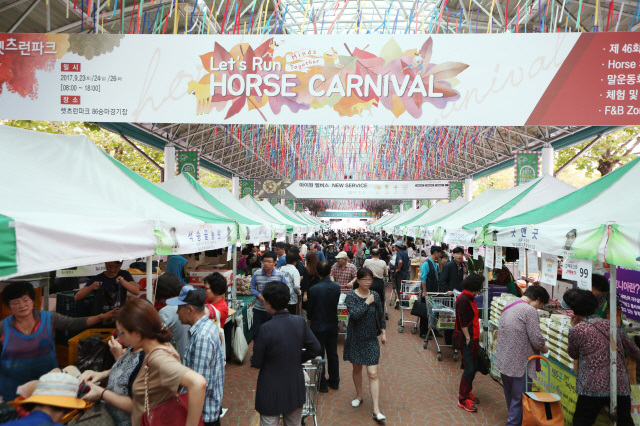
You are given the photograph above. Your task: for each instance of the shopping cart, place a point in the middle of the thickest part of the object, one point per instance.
(312, 373)
(442, 316)
(407, 290)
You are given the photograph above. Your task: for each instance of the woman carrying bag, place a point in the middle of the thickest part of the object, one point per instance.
(162, 374)
(361, 347)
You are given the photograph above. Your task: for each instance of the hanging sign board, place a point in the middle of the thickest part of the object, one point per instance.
(526, 167)
(290, 204)
(425, 203)
(455, 190)
(532, 262)
(396, 209)
(352, 189)
(188, 161)
(522, 255)
(246, 188)
(299, 207)
(628, 285)
(578, 270)
(274, 201)
(392, 79)
(549, 269)
(348, 214)
(406, 204)
(489, 258)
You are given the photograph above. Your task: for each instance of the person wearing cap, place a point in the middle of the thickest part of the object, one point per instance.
(330, 254)
(402, 267)
(429, 279)
(343, 272)
(26, 336)
(55, 395)
(204, 352)
(259, 281)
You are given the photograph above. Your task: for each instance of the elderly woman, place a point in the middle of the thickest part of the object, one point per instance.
(589, 342)
(519, 337)
(28, 350)
(277, 351)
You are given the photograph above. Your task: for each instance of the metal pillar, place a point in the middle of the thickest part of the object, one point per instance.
(401, 207)
(547, 161)
(150, 291)
(414, 204)
(234, 271)
(235, 186)
(169, 162)
(468, 189)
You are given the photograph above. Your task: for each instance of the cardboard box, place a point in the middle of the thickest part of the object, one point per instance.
(196, 278)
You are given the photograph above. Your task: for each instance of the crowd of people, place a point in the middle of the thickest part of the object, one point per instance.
(177, 345)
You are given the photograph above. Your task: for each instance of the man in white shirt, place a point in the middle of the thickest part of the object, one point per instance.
(303, 248)
(380, 270)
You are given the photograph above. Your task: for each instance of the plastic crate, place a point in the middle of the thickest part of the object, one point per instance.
(104, 333)
(66, 305)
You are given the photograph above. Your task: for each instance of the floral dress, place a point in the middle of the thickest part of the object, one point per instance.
(361, 345)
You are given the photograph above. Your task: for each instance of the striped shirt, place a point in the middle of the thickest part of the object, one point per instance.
(259, 281)
(204, 355)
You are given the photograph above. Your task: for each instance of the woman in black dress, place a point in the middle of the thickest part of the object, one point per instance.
(309, 277)
(276, 352)
(361, 346)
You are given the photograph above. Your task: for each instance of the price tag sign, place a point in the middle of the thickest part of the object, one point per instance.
(522, 255)
(498, 257)
(579, 270)
(549, 269)
(475, 254)
(532, 261)
(229, 251)
(598, 267)
(489, 261)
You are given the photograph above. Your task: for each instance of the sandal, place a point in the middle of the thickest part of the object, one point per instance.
(356, 402)
(378, 417)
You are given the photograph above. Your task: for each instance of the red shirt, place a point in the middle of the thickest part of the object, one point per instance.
(222, 306)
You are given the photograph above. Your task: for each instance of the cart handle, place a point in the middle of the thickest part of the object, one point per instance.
(532, 357)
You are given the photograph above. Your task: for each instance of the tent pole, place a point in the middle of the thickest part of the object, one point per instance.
(150, 292)
(234, 269)
(613, 347)
(485, 305)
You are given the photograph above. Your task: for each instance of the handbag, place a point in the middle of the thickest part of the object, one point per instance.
(96, 415)
(420, 309)
(379, 317)
(172, 412)
(484, 364)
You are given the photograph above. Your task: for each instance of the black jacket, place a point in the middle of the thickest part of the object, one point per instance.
(278, 353)
(322, 305)
(451, 276)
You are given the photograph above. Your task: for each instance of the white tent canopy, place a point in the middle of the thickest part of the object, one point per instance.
(310, 227)
(66, 203)
(498, 203)
(375, 226)
(256, 208)
(422, 226)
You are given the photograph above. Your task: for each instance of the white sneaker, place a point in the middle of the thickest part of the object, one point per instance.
(356, 402)
(378, 417)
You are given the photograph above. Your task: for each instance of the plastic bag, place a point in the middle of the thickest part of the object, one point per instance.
(94, 354)
(239, 343)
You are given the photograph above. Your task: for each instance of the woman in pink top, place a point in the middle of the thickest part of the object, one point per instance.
(519, 337)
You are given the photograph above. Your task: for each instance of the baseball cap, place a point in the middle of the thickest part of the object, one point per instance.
(342, 255)
(189, 295)
(399, 243)
(55, 389)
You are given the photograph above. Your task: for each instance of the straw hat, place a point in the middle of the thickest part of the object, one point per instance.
(56, 389)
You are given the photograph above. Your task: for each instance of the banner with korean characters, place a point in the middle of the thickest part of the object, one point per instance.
(455, 190)
(300, 207)
(406, 205)
(191, 239)
(290, 204)
(379, 79)
(577, 270)
(526, 168)
(396, 209)
(628, 287)
(425, 203)
(246, 188)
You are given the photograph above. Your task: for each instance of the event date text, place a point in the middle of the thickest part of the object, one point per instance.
(88, 78)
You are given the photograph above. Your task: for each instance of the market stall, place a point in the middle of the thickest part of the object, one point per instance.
(251, 205)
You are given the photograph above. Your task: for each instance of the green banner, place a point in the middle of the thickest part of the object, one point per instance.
(299, 207)
(188, 162)
(455, 190)
(246, 188)
(425, 203)
(396, 209)
(362, 215)
(289, 204)
(273, 201)
(526, 164)
(407, 204)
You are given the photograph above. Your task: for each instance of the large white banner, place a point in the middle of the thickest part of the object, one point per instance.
(479, 79)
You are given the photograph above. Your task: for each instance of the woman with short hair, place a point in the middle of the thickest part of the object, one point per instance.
(589, 343)
(519, 337)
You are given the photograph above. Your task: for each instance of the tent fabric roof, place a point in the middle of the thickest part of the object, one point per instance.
(252, 205)
(495, 203)
(283, 210)
(421, 226)
(188, 189)
(298, 228)
(85, 207)
(597, 222)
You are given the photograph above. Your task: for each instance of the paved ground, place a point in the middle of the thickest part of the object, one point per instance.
(416, 389)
